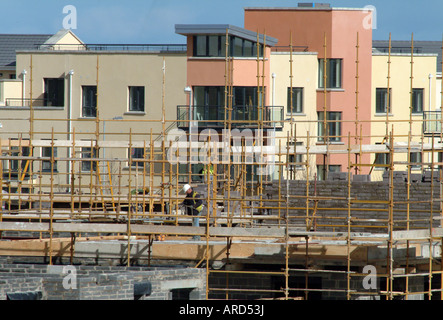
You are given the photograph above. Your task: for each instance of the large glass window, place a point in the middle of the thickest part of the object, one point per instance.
(200, 46)
(333, 73)
(333, 124)
(215, 46)
(209, 103)
(238, 47)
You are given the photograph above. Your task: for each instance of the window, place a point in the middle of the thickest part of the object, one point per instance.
(136, 98)
(200, 46)
(382, 159)
(196, 172)
(181, 294)
(46, 164)
(296, 161)
(297, 100)
(333, 124)
(137, 153)
(89, 101)
(415, 159)
(215, 46)
(238, 47)
(54, 94)
(16, 165)
(381, 100)
(88, 153)
(321, 170)
(333, 73)
(417, 100)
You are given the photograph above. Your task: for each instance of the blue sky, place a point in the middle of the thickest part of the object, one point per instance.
(152, 21)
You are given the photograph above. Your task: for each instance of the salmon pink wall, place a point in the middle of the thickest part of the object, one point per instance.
(339, 27)
(211, 71)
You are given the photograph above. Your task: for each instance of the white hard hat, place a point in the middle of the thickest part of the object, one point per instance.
(186, 187)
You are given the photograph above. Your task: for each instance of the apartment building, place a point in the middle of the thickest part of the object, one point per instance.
(66, 89)
(312, 72)
(332, 34)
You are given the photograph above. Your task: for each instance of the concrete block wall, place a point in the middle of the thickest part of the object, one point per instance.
(339, 282)
(99, 282)
(19, 284)
(420, 206)
(241, 281)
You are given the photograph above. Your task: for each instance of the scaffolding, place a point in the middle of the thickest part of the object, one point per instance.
(130, 198)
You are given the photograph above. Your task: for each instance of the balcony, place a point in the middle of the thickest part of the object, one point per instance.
(241, 117)
(431, 122)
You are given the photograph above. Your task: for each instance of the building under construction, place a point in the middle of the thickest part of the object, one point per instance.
(316, 152)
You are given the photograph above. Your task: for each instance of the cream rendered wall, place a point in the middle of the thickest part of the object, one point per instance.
(10, 89)
(6, 74)
(116, 72)
(400, 84)
(304, 73)
(68, 39)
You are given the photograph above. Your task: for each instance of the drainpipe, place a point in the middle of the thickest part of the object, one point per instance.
(430, 91)
(23, 87)
(68, 163)
(273, 88)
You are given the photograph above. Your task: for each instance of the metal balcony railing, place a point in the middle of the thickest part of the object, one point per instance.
(162, 48)
(26, 102)
(241, 116)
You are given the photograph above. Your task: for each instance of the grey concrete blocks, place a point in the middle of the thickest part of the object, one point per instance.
(99, 282)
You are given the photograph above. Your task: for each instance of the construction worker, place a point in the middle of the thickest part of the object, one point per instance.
(208, 168)
(140, 191)
(193, 205)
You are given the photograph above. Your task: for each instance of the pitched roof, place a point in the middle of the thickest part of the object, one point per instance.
(54, 39)
(9, 43)
(399, 46)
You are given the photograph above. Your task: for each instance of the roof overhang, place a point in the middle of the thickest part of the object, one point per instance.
(208, 29)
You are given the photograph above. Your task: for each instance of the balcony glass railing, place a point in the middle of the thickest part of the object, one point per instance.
(431, 122)
(241, 116)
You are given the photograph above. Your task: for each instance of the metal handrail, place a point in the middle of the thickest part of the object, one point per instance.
(116, 47)
(26, 102)
(213, 116)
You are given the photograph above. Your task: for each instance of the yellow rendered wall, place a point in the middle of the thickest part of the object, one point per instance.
(304, 74)
(423, 76)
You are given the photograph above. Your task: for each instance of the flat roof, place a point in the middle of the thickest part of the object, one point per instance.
(307, 8)
(404, 47)
(191, 29)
